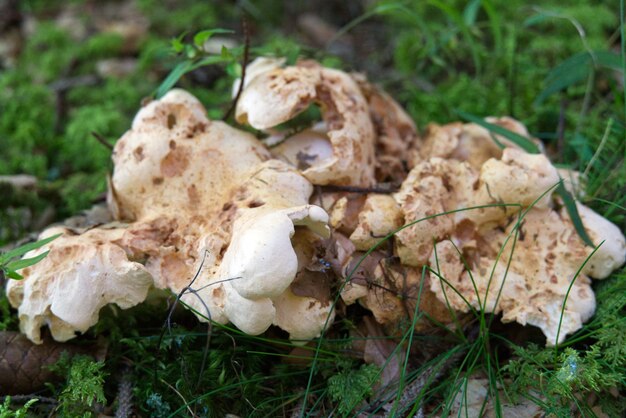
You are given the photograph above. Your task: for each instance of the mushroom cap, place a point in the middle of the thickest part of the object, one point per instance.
(526, 279)
(257, 67)
(423, 195)
(252, 316)
(469, 142)
(380, 216)
(307, 148)
(276, 96)
(161, 163)
(611, 254)
(303, 317)
(520, 177)
(261, 259)
(221, 211)
(80, 275)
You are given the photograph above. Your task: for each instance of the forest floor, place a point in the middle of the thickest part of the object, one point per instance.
(72, 76)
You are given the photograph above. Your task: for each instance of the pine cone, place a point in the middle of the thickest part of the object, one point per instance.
(24, 365)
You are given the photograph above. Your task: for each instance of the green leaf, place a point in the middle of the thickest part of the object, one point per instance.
(19, 251)
(470, 12)
(215, 59)
(14, 275)
(572, 211)
(575, 69)
(525, 143)
(25, 262)
(201, 37)
(225, 53)
(173, 77)
(535, 19)
(177, 45)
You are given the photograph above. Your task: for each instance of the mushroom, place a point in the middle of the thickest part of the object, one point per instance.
(340, 154)
(528, 278)
(437, 186)
(468, 142)
(203, 208)
(227, 221)
(379, 217)
(466, 202)
(80, 275)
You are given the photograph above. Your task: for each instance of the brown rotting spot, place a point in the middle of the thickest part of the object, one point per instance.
(193, 195)
(138, 153)
(171, 121)
(175, 162)
(255, 204)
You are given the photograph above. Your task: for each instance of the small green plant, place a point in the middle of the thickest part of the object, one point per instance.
(195, 56)
(350, 385)
(7, 412)
(84, 385)
(8, 264)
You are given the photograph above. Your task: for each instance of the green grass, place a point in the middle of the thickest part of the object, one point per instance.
(560, 69)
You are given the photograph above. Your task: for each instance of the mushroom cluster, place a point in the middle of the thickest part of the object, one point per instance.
(257, 232)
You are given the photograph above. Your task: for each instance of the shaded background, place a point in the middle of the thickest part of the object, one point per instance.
(72, 68)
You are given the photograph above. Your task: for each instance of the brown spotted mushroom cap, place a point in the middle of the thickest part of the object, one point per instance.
(80, 275)
(346, 155)
(528, 283)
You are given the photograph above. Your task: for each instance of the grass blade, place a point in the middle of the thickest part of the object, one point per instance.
(173, 77)
(524, 143)
(572, 211)
(576, 69)
(20, 251)
(26, 262)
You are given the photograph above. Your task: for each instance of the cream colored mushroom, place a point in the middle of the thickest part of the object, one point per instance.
(468, 142)
(80, 275)
(225, 199)
(346, 155)
(208, 214)
(501, 188)
(530, 281)
(379, 217)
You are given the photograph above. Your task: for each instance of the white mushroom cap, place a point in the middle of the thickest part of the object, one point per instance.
(307, 148)
(612, 253)
(425, 193)
(251, 316)
(529, 282)
(261, 258)
(469, 142)
(220, 203)
(304, 318)
(162, 162)
(80, 275)
(519, 177)
(257, 67)
(276, 96)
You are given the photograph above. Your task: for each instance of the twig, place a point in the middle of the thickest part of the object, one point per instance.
(102, 140)
(246, 56)
(180, 396)
(383, 188)
(413, 390)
